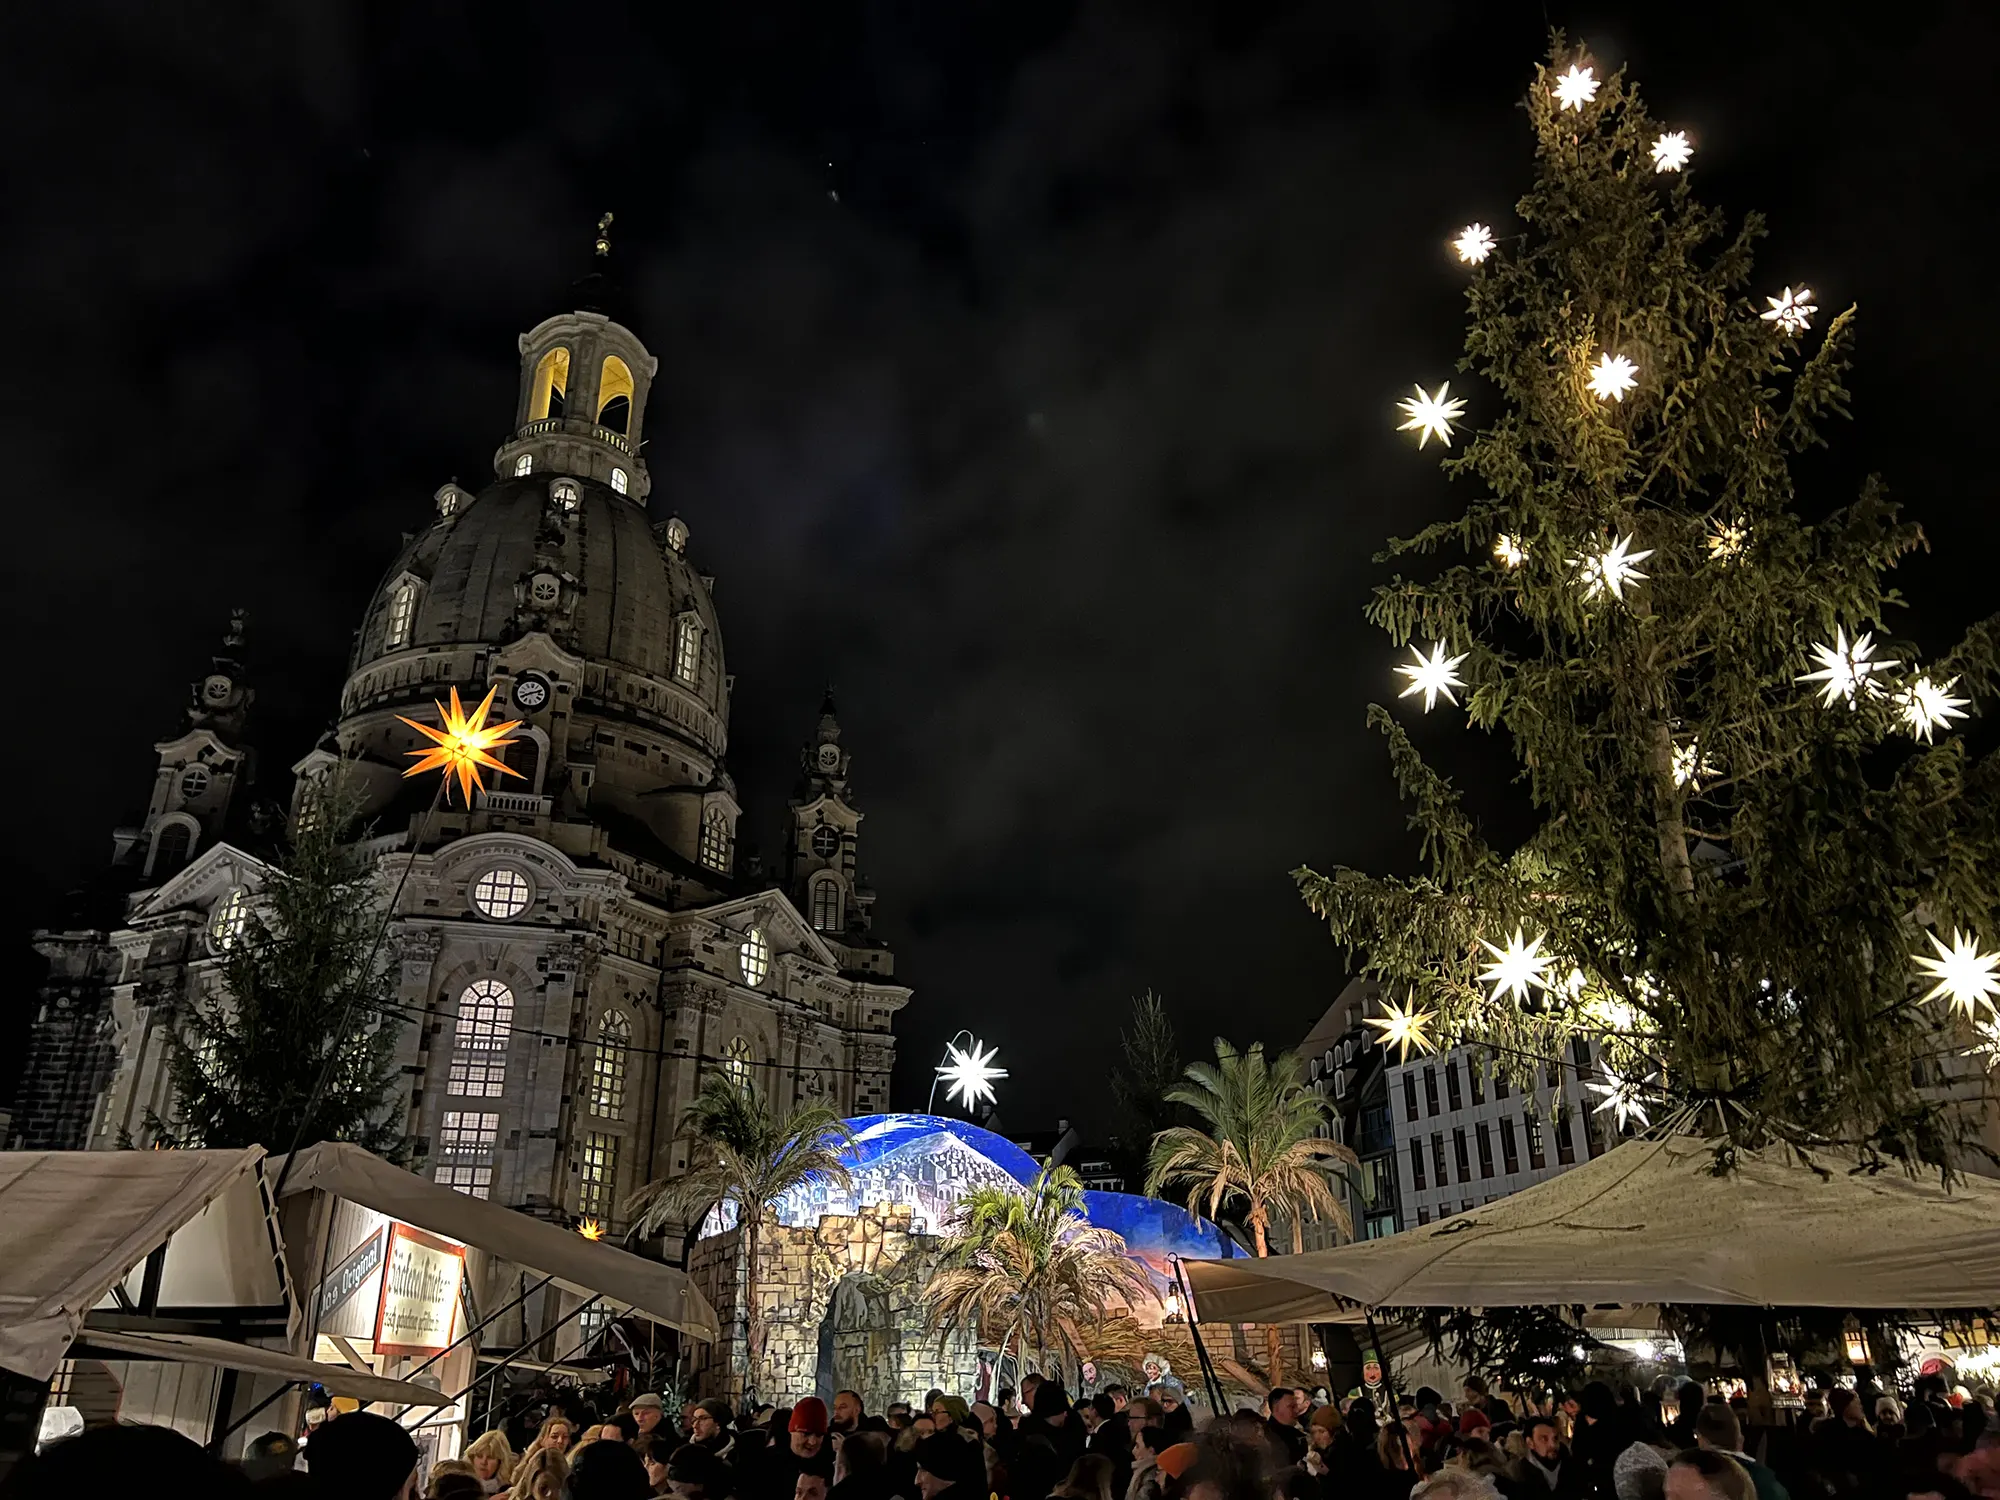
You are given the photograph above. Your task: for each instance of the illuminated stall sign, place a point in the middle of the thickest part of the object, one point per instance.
(351, 1275)
(419, 1301)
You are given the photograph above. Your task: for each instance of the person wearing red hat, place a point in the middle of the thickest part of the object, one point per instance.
(804, 1452)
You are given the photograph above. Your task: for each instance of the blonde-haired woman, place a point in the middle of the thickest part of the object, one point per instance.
(492, 1459)
(540, 1476)
(554, 1436)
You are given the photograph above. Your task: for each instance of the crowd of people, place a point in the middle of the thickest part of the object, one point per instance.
(1594, 1444)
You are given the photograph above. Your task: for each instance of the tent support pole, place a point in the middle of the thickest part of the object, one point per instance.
(1389, 1390)
(1200, 1349)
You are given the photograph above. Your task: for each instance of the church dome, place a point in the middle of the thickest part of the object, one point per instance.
(568, 557)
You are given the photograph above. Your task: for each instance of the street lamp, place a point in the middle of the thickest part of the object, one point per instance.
(968, 1071)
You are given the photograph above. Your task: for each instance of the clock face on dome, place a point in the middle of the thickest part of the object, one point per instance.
(531, 692)
(829, 757)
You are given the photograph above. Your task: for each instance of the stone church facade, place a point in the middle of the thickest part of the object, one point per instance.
(576, 949)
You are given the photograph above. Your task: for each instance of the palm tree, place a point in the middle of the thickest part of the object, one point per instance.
(1030, 1265)
(1261, 1151)
(743, 1154)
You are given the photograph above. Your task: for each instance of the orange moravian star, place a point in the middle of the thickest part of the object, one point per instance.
(464, 744)
(590, 1229)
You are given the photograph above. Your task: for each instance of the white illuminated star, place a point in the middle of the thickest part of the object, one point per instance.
(1691, 767)
(1431, 416)
(1726, 540)
(1510, 550)
(1610, 570)
(1964, 975)
(1575, 88)
(1403, 1028)
(969, 1073)
(1520, 967)
(1433, 675)
(1791, 310)
(1926, 705)
(1612, 376)
(1622, 1097)
(1474, 243)
(1845, 669)
(1671, 151)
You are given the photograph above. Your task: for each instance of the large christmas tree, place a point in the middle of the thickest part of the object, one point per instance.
(1763, 866)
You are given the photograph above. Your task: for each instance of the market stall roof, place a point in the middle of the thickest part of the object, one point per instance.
(340, 1380)
(663, 1293)
(1651, 1222)
(72, 1223)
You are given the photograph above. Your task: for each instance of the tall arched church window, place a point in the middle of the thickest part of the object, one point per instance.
(736, 1061)
(614, 395)
(231, 920)
(826, 905)
(479, 1051)
(548, 396)
(755, 957)
(715, 839)
(402, 614)
(524, 466)
(687, 649)
(606, 1092)
(170, 849)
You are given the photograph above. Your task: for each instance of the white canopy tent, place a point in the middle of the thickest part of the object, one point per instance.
(1650, 1222)
(660, 1292)
(340, 1380)
(74, 1225)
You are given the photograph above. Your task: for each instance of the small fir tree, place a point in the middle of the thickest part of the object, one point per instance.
(1749, 801)
(304, 979)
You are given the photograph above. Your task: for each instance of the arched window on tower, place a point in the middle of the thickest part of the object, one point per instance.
(170, 849)
(606, 1092)
(614, 395)
(549, 394)
(716, 840)
(402, 614)
(687, 649)
(826, 905)
(737, 1061)
(479, 1055)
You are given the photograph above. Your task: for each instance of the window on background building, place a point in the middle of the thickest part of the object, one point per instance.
(687, 648)
(194, 781)
(736, 1061)
(170, 849)
(479, 1042)
(1531, 1126)
(1423, 1214)
(1461, 1154)
(715, 840)
(1499, 1081)
(1451, 1093)
(464, 1154)
(501, 893)
(1417, 1165)
(606, 1091)
(1552, 1073)
(619, 483)
(402, 611)
(1485, 1150)
(1565, 1148)
(1409, 1096)
(597, 1172)
(1381, 1226)
(524, 466)
(590, 1323)
(1475, 1077)
(755, 957)
(826, 906)
(1579, 1053)
(1509, 1157)
(231, 920)
(1437, 1157)
(1430, 1089)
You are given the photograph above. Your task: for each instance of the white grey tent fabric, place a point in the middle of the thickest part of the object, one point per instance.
(1650, 1222)
(72, 1223)
(341, 1380)
(663, 1293)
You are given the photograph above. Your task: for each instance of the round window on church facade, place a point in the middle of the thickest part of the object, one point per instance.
(826, 841)
(501, 893)
(194, 781)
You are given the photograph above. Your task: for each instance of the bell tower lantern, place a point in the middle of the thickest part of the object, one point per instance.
(584, 382)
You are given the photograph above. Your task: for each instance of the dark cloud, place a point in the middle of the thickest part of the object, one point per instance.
(1025, 370)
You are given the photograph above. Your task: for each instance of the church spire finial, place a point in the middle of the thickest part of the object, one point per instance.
(604, 236)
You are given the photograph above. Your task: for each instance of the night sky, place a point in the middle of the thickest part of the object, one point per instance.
(1026, 370)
